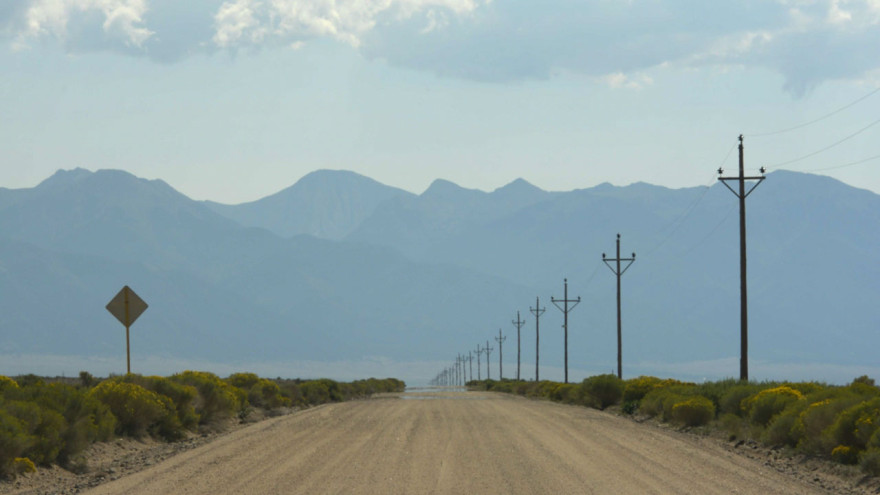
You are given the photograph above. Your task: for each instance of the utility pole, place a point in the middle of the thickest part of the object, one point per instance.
(471, 365)
(500, 341)
(565, 309)
(518, 324)
(537, 311)
(479, 351)
(744, 304)
(617, 271)
(488, 351)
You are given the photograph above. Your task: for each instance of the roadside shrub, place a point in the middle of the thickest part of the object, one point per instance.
(7, 383)
(869, 461)
(315, 392)
(768, 403)
(604, 390)
(137, 409)
(660, 402)
(182, 397)
(217, 400)
(844, 454)
(267, 394)
(637, 388)
(23, 465)
(731, 402)
(817, 419)
(696, 411)
(786, 428)
(45, 428)
(14, 441)
(564, 392)
(855, 426)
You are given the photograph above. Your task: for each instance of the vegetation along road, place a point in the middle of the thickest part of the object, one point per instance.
(456, 442)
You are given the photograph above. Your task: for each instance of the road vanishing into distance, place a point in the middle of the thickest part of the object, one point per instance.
(451, 442)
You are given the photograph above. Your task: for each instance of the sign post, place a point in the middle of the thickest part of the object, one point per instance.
(126, 306)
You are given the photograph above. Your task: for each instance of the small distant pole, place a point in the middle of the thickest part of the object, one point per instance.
(537, 311)
(518, 324)
(500, 339)
(488, 350)
(617, 271)
(744, 300)
(479, 351)
(471, 365)
(565, 309)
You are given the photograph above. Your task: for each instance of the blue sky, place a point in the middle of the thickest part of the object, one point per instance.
(235, 100)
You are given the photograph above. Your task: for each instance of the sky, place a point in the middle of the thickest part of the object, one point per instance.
(235, 100)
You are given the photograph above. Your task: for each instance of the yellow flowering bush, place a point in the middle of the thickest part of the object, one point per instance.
(7, 383)
(217, 400)
(696, 411)
(23, 465)
(766, 404)
(137, 409)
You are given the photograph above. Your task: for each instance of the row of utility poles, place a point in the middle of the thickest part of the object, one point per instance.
(455, 375)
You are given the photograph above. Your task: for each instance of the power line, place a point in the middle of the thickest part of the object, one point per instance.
(781, 131)
(850, 164)
(847, 138)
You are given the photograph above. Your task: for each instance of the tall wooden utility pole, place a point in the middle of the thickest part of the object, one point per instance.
(741, 193)
(565, 309)
(500, 339)
(537, 311)
(518, 324)
(617, 271)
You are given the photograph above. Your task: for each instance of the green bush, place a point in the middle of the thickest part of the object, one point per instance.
(855, 425)
(217, 400)
(637, 388)
(660, 401)
(267, 394)
(137, 409)
(696, 411)
(731, 402)
(315, 392)
(603, 390)
(767, 403)
(14, 441)
(869, 461)
(7, 383)
(786, 428)
(844, 454)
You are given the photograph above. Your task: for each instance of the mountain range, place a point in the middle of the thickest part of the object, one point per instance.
(339, 267)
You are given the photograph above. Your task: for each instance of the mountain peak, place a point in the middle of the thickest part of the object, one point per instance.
(443, 188)
(64, 178)
(518, 186)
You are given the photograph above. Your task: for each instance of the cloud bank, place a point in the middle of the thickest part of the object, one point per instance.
(617, 41)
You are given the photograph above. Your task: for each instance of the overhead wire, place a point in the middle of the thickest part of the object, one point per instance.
(819, 119)
(814, 153)
(679, 221)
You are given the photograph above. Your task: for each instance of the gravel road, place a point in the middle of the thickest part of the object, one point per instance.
(456, 443)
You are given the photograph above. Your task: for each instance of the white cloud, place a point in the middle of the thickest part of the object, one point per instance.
(123, 19)
(619, 80)
(240, 22)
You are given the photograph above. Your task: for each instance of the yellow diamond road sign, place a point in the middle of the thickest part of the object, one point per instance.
(126, 306)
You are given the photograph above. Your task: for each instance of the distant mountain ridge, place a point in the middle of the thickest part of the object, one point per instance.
(341, 267)
(327, 203)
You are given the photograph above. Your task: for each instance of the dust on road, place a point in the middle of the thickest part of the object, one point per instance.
(455, 442)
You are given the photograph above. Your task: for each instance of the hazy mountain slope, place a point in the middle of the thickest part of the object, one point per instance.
(220, 291)
(327, 203)
(414, 224)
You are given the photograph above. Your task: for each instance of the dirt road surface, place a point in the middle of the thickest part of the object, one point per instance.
(456, 443)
